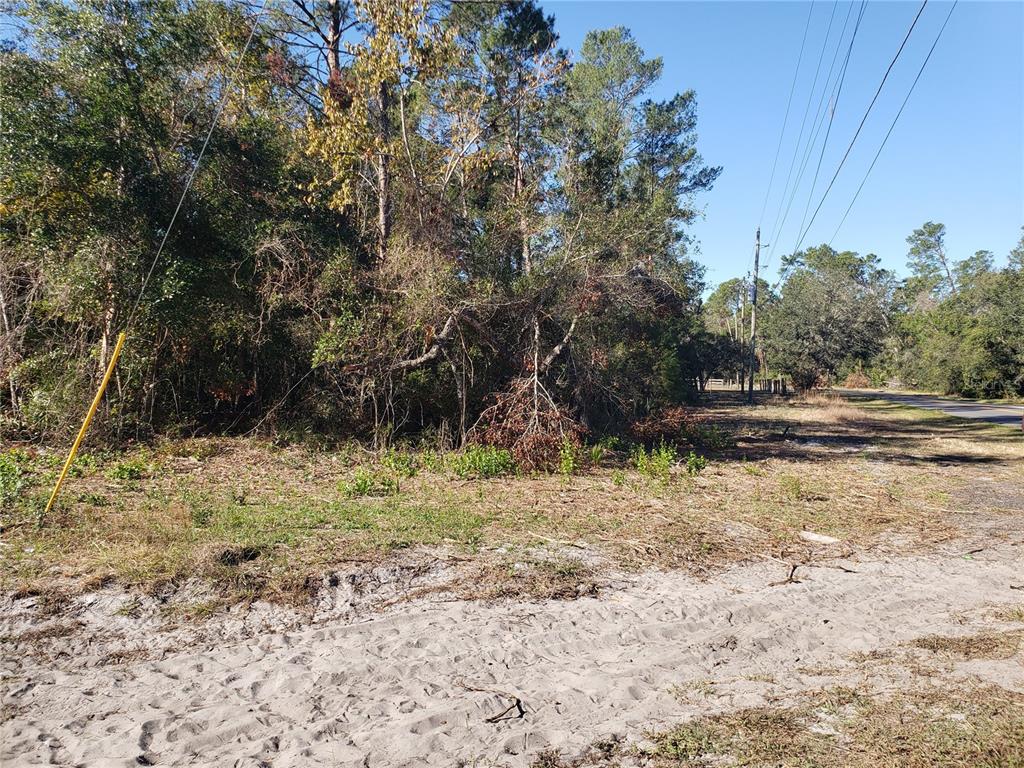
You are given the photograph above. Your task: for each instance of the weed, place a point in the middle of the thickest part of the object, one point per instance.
(94, 499)
(432, 461)
(791, 487)
(568, 459)
(129, 469)
(752, 469)
(695, 464)
(618, 478)
(482, 461)
(655, 464)
(82, 464)
(11, 480)
(404, 465)
(366, 483)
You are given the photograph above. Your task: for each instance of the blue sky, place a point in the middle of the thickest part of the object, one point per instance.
(955, 156)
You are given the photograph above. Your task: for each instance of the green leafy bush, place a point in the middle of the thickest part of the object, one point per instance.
(400, 463)
(568, 459)
(695, 464)
(655, 464)
(483, 461)
(367, 483)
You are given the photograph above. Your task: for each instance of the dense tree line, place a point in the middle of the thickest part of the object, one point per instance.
(955, 325)
(410, 216)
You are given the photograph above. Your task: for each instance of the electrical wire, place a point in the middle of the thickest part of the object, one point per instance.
(863, 120)
(199, 158)
(893, 125)
(785, 120)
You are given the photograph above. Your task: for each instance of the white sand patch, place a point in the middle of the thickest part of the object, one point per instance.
(427, 682)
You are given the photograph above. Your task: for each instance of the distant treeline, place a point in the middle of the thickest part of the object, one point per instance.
(956, 325)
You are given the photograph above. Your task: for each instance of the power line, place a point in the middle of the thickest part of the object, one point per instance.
(834, 101)
(819, 120)
(195, 166)
(785, 120)
(860, 126)
(893, 125)
(803, 122)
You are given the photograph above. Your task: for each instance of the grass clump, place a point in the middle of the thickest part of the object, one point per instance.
(367, 483)
(1014, 614)
(712, 437)
(531, 579)
(482, 461)
(655, 464)
(792, 487)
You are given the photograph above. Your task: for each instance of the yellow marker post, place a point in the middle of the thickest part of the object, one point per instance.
(85, 424)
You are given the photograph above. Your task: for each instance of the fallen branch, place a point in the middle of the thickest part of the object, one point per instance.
(517, 703)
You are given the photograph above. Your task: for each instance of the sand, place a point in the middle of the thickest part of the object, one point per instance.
(436, 681)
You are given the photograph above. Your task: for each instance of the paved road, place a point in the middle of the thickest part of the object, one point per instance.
(1008, 415)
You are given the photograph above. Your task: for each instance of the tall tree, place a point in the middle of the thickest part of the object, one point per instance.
(928, 261)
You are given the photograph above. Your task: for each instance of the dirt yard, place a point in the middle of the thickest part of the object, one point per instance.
(839, 585)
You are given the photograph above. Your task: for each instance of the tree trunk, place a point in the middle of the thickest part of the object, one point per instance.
(333, 38)
(383, 177)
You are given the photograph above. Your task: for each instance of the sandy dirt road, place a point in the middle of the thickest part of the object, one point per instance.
(436, 681)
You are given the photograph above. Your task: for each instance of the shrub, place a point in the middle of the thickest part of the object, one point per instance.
(695, 464)
(568, 459)
(483, 461)
(655, 464)
(366, 483)
(401, 464)
(857, 380)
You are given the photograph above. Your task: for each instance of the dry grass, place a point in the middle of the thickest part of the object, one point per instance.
(1013, 614)
(968, 727)
(989, 645)
(257, 519)
(980, 728)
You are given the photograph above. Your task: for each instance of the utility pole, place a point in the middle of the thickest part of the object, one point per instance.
(753, 317)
